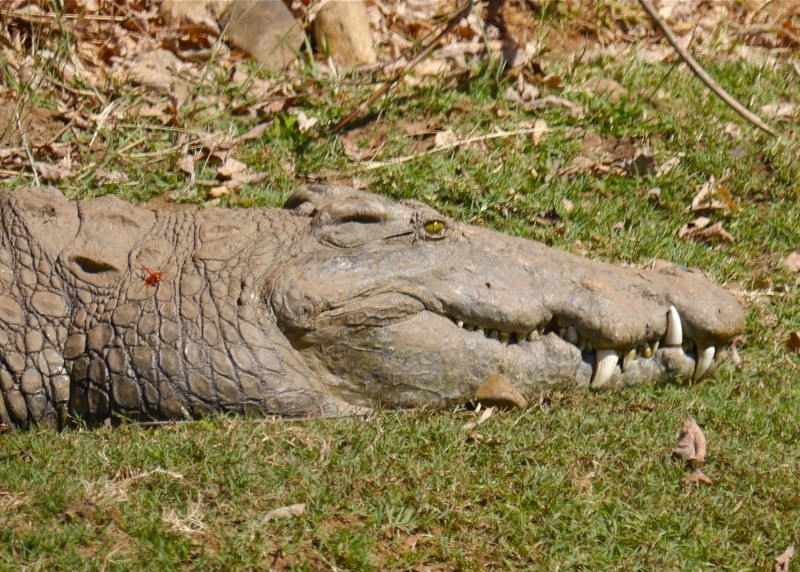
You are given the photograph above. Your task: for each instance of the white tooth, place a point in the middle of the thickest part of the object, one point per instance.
(505, 337)
(521, 337)
(572, 335)
(460, 323)
(647, 351)
(628, 359)
(674, 335)
(704, 359)
(654, 347)
(494, 334)
(605, 362)
(534, 335)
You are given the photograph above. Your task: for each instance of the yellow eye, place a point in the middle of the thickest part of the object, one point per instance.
(435, 227)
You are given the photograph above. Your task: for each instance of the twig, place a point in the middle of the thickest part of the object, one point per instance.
(426, 51)
(369, 165)
(702, 74)
(28, 151)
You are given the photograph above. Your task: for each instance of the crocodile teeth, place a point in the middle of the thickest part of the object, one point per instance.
(654, 347)
(533, 335)
(505, 337)
(628, 359)
(572, 335)
(704, 360)
(460, 323)
(606, 361)
(674, 335)
(494, 335)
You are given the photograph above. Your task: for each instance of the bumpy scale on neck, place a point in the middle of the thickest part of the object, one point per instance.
(34, 385)
(84, 331)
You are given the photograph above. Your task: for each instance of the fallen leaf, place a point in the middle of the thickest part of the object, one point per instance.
(668, 166)
(608, 88)
(697, 476)
(51, 173)
(304, 122)
(541, 129)
(782, 562)
(107, 177)
(487, 413)
(230, 169)
(699, 229)
(444, 138)
(217, 192)
(286, 512)
(779, 110)
(793, 261)
(691, 442)
(793, 342)
(703, 200)
(714, 232)
(186, 164)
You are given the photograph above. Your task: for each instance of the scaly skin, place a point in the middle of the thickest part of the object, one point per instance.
(341, 301)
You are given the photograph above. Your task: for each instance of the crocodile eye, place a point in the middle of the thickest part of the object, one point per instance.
(435, 228)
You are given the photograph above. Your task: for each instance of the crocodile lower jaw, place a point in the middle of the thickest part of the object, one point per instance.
(606, 361)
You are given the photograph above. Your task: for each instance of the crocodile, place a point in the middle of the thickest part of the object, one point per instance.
(338, 303)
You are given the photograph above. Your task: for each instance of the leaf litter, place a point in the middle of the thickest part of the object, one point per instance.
(168, 60)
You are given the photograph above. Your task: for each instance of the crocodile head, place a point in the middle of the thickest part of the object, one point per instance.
(393, 303)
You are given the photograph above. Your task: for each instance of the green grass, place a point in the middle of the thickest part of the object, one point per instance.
(581, 480)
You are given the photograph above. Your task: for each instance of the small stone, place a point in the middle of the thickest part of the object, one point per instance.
(342, 27)
(498, 391)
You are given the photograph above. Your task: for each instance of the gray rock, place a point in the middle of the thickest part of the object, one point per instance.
(266, 30)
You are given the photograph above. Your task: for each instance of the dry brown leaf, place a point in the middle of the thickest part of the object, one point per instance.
(714, 232)
(111, 177)
(286, 512)
(304, 122)
(541, 126)
(487, 413)
(793, 261)
(699, 229)
(703, 200)
(691, 442)
(793, 342)
(52, 173)
(697, 476)
(443, 138)
(779, 110)
(230, 169)
(186, 164)
(668, 165)
(783, 561)
(217, 192)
